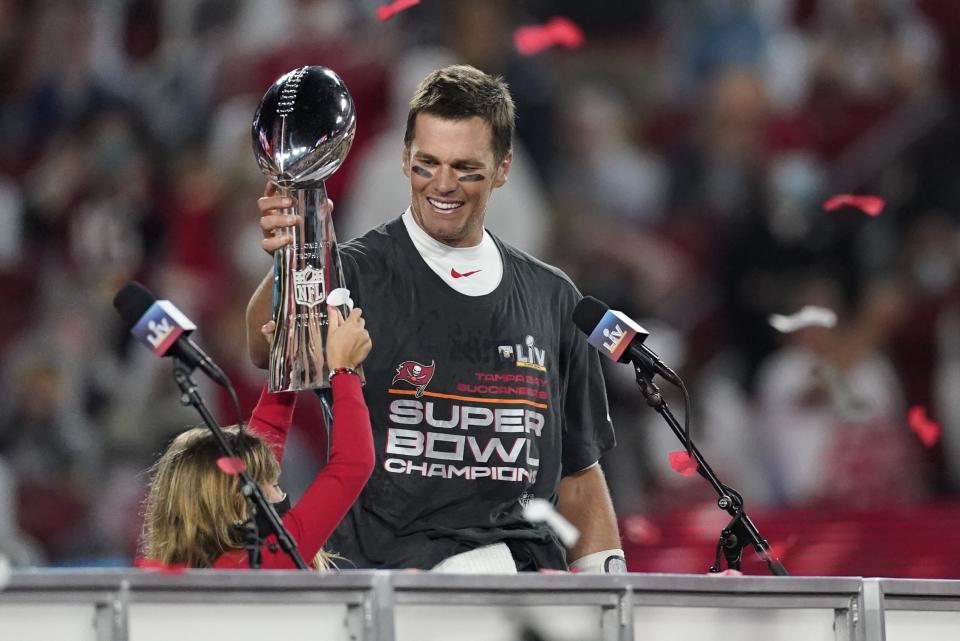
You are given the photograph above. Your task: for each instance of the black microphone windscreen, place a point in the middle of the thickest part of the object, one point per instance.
(132, 301)
(588, 313)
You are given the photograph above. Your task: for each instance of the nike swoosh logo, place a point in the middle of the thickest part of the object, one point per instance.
(456, 274)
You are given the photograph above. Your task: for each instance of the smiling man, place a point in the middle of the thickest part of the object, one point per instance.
(452, 171)
(482, 393)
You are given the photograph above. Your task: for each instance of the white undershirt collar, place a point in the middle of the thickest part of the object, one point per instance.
(474, 271)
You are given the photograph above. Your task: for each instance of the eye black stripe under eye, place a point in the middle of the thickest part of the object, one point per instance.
(422, 172)
(472, 178)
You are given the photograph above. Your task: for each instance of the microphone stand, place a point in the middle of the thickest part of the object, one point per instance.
(250, 489)
(740, 530)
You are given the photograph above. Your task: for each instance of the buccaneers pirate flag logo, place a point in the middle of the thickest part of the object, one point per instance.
(416, 374)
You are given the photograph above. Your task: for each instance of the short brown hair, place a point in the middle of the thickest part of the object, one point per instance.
(461, 91)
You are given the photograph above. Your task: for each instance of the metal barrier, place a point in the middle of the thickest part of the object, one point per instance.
(400, 606)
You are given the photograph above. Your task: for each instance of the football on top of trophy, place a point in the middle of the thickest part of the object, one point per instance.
(304, 127)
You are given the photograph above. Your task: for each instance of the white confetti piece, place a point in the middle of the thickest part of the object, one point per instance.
(340, 296)
(542, 511)
(809, 316)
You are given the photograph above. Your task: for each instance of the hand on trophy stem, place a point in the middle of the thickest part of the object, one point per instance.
(268, 330)
(277, 217)
(348, 343)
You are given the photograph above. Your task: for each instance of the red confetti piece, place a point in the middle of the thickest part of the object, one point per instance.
(779, 549)
(387, 11)
(682, 463)
(927, 431)
(870, 205)
(640, 530)
(559, 31)
(158, 566)
(232, 465)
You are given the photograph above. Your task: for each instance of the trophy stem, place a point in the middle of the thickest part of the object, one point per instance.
(301, 280)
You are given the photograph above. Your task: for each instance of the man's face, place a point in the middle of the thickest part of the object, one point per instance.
(452, 173)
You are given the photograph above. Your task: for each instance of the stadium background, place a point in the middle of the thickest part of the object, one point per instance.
(675, 165)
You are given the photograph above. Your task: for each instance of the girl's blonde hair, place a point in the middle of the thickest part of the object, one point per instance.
(193, 506)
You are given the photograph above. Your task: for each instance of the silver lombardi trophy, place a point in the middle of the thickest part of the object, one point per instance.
(302, 131)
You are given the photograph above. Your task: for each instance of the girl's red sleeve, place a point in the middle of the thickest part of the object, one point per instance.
(317, 514)
(272, 417)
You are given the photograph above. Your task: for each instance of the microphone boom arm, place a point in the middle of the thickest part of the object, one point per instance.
(741, 529)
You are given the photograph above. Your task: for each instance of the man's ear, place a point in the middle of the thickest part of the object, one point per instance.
(405, 160)
(500, 177)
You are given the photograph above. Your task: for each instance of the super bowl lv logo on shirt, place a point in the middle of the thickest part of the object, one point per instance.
(526, 354)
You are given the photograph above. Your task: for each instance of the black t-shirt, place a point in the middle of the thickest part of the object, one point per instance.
(477, 403)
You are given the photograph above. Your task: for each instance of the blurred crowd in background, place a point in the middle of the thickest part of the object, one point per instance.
(675, 166)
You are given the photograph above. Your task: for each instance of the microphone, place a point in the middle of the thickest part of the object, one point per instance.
(163, 328)
(618, 337)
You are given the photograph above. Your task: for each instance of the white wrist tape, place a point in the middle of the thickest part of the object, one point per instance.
(605, 562)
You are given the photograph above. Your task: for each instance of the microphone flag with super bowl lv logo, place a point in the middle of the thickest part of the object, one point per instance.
(416, 374)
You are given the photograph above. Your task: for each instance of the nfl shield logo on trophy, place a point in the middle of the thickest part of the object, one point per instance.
(309, 286)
